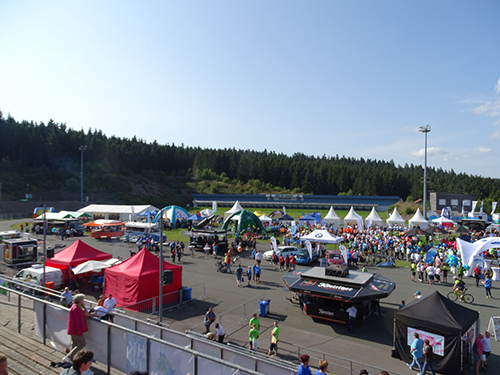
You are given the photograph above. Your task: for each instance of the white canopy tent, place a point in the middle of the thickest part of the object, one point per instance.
(236, 208)
(418, 220)
(443, 220)
(321, 235)
(116, 212)
(352, 217)
(470, 250)
(373, 219)
(265, 219)
(332, 218)
(94, 265)
(395, 218)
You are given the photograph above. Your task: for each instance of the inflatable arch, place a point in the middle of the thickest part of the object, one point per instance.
(470, 250)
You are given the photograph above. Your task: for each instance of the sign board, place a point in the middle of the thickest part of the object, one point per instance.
(436, 341)
(494, 327)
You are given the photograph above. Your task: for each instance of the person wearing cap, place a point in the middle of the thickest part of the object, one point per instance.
(77, 326)
(418, 295)
(304, 365)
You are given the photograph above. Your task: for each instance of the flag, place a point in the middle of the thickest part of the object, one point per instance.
(474, 204)
(214, 207)
(274, 243)
(481, 207)
(493, 207)
(463, 209)
(284, 210)
(294, 228)
(309, 248)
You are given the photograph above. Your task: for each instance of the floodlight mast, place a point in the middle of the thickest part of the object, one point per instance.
(425, 129)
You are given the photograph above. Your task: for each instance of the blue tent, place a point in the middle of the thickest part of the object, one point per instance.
(195, 217)
(172, 213)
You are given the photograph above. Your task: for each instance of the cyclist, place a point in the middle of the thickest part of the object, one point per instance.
(459, 286)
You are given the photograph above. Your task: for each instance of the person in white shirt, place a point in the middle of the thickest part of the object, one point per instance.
(352, 311)
(430, 273)
(258, 257)
(219, 333)
(486, 348)
(102, 312)
(109, 304)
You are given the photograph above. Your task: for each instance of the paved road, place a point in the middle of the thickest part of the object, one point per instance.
(371, 344)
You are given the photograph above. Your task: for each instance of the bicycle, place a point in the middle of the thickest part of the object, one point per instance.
(466, 297)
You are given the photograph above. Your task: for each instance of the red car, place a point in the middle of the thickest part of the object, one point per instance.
(335, 257)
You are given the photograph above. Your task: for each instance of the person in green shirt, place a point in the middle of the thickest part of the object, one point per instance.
(253, 335)
(275, 334)
(254, 320)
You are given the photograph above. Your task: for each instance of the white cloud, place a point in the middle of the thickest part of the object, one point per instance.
(431, 151)
(495, 135)
(491, 109)
(497, 87)
(484, 150)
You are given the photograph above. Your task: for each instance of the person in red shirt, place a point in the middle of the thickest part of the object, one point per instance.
(293, 261)
(477, 274)
(478, 352)
(77, 325)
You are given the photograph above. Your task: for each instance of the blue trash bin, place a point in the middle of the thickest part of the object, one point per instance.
(186, 294)
(264, 307)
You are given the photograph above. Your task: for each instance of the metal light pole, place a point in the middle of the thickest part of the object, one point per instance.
(81, 148)
(425, 129)
(160, 301)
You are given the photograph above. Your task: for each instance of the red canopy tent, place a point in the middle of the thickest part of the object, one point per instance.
(75, 254)
(138, 278)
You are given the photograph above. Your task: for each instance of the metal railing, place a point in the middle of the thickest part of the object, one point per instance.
(198, 356)
(151, 305)
(234, 316)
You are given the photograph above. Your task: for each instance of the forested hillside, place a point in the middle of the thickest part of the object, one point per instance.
(45, 158)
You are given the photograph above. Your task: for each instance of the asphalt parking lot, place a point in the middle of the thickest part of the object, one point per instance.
(370, 344)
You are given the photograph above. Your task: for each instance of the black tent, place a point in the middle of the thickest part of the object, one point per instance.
(286, 217)
(443, 322)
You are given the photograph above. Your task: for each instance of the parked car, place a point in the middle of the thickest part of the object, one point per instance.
(282, 250)
(304, 258)
(335, 257)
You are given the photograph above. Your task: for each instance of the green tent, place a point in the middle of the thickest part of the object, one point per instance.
(244, 218)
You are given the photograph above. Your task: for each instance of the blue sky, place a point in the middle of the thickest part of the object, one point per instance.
(353, 78)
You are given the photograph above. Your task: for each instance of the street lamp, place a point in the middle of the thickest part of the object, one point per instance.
(81, 148)
(425, 129)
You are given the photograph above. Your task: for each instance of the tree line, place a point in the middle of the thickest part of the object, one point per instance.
(47, 158)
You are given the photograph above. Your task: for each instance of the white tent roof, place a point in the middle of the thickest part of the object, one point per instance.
(331, 216)
(237, 207)
(119, 209)
(373, 218)
(321, 235)
(395, 218)
(265, 219)
(352, 217)
(418, 219)
(442, 219)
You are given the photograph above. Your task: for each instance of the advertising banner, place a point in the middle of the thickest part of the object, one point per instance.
(436, 341)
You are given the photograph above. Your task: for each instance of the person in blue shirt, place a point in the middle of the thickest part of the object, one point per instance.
(304, 365)
(487, 286)
(256, 270)
(417, 351)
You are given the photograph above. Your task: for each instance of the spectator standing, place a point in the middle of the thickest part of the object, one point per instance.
(417, 351)
(110, 304)
(249, 274)
(239, 275)
(487, 286)
(77, 326)
(477, 274)
(257, 273)
(304, 365)
(275, 334)
(254, 320)
(486, 348)
(352, 312)
(253, 335)
(478, 352)
(429, 358)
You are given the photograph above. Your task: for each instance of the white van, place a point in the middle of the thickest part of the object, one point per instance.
(34, 275)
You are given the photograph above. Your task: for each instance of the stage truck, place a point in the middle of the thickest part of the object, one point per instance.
(327, 292)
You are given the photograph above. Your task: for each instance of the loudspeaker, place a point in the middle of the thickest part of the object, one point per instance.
(50, 253)
(337, 270)
(168, 277)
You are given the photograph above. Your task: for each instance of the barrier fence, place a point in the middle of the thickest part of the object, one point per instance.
(137, 344)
